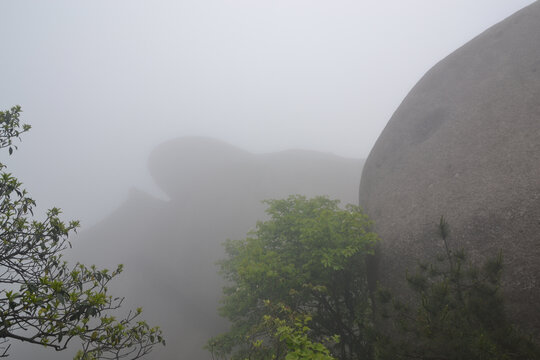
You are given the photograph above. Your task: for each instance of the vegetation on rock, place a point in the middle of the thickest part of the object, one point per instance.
(456, 312)
(298, 290)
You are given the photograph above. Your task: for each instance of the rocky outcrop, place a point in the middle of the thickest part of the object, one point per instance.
(170, 248)
(465, 143)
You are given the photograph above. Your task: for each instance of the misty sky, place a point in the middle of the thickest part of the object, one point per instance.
(104, 82)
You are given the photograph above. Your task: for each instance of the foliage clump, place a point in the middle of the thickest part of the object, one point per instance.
(310, 258)
(45, 301)
(281, 334)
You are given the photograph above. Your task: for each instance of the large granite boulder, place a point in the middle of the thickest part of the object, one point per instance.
(465, 143)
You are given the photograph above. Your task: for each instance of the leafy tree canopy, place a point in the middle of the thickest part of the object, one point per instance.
(309, 258)
(45, 301)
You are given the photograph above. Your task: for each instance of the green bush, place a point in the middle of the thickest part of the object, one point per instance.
(309, 257)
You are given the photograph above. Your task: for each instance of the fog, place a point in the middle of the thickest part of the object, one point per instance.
(105, 83)
(170, 247)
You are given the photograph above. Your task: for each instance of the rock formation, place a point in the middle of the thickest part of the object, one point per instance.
(465, 143)
(169, 248)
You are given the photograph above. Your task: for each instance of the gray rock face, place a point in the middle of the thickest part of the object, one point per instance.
(465, 143)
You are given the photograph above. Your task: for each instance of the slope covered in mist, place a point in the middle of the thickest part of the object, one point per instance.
(169, 248)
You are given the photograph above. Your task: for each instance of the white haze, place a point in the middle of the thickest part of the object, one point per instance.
(104, 82)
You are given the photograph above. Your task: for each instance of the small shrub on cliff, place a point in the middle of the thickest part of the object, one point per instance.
(457, 313)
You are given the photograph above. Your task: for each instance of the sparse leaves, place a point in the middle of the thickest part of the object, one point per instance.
(10, 128)
(42, 299)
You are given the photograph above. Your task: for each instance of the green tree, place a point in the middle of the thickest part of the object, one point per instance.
(456, 313)
(310, 258)
(45, 301)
